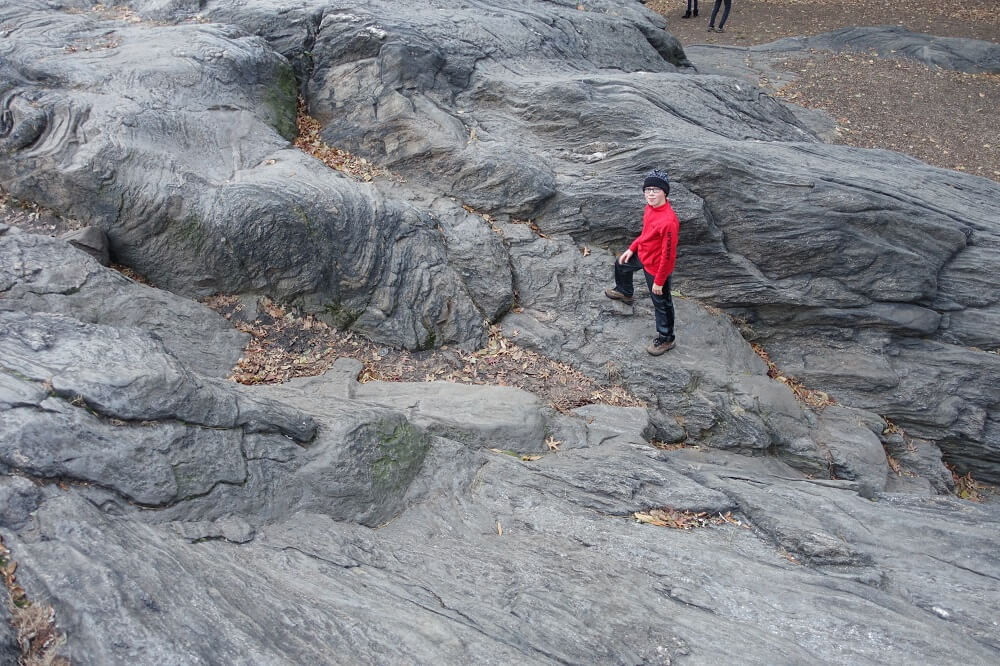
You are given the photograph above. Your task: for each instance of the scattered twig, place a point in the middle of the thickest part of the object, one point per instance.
(686, 520)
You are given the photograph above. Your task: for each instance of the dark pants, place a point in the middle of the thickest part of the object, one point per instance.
(725, 13)
(662, 305)
(695, 5)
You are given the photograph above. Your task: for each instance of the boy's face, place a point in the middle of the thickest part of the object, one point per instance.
(655, 196)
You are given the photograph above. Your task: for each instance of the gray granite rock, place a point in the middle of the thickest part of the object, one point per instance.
(91, 240)
(377, 538)
(198, 189)
(172, 517)
(492, 416)
(40, 274)
(973, 56)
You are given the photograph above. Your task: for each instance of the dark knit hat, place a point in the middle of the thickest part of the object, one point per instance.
(657, 178)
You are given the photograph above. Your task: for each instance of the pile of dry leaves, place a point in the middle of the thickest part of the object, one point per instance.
(310, 141)
(29, 216)
(686, 520)
(34, 623)
(969, 489)
(811, 397)
(286, 344)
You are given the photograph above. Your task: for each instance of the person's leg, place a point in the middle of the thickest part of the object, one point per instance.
(725, 13)
(688, 13)
(715, 10)
(695, 7)
(663, 306)
(623, 275)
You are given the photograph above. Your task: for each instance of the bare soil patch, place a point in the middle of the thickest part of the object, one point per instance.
(286, 344)
(941, 117)
(761, 21)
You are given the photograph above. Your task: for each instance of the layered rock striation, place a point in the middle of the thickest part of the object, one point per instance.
(171, 516)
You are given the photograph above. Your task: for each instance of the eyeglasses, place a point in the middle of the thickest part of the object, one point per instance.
(652, 189)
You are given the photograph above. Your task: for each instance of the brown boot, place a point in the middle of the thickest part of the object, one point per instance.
(615, 295)
(659, 346)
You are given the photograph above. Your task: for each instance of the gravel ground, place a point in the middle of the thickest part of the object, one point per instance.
(944, 118)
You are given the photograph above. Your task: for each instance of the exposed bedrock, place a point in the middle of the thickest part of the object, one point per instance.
(963, 55)
(174, 140)
(818, 249)
(363, 537)
(171, 517)
(42, 274)
(857, 269)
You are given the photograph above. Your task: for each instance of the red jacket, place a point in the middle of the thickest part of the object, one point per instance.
(656, 246)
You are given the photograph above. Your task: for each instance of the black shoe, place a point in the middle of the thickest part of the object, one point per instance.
(696, 12)
(711, 29)
(719, 30)
(616, 295)
(688, 15)
(659, 346)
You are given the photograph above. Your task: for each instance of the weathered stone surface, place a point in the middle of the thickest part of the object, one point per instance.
(469, 116)
(711, 389)
(856, 451)
(91, 240)
(198, 189)
(9, 650)
(963, 55)
(292, 541)
(40, 274)
(548, 586)
(490, 416)
(751, 62)
(196, 521)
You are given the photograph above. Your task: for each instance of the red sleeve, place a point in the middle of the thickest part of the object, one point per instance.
(668, 252)
(635, 244)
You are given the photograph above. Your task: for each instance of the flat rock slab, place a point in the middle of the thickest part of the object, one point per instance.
(972, 56)
(480, 415)
(556, 577)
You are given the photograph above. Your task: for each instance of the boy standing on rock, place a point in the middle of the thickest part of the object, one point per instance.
(654, 253)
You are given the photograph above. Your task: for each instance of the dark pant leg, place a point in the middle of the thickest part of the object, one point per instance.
(623, 274)
(692, 4)
(663, 306)
(715, 10)
(725, 12)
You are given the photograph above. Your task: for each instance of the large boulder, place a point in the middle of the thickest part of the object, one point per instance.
(191, 176)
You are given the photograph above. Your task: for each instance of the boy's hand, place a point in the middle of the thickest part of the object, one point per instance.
(626, 255)
(658, 289)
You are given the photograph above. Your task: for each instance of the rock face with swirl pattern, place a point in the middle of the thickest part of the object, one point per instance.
(171, 516)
